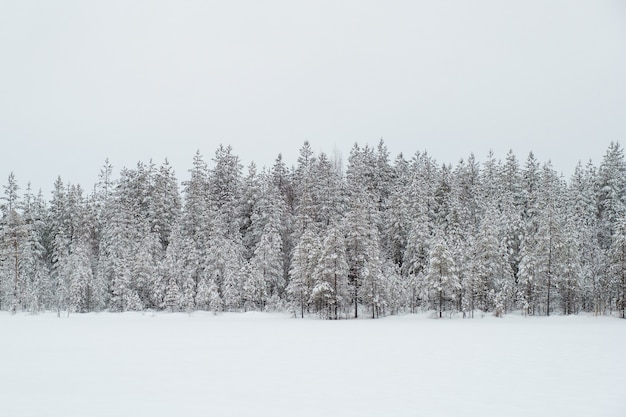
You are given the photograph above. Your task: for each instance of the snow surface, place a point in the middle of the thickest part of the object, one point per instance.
(255, 364)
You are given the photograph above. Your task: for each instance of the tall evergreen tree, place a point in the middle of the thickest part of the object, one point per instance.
(611, 187)
(442, 276)
(304, 260)
(617, 268)
(330, 276)
(13, 238)
(550, 238)
(267, 264)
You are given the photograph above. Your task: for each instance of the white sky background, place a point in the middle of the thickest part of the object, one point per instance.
(81, 81)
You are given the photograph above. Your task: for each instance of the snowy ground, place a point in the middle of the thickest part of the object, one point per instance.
(256, 364)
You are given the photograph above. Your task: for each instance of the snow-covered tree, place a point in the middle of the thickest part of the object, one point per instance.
(224, 183)
(304, 260)
(617, 267)
(442, 276)
(397, 217)
(611, 188)
(79, 279)
(330, 276)
(550, 250)
(12, 240)
(267, 261)
(166, 203)
(362, 243)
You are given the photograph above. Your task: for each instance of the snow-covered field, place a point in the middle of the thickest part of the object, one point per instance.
(256, 364)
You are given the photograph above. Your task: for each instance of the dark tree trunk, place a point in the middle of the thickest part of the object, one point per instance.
(549, 274)
(440, 303)
(356, 303)
(335, 283)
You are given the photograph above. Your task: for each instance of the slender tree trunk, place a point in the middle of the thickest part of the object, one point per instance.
(373, 303)
(440, 303)
(549, 274)
(623, 300)
(356, 303)
(440, 293)
(548, 304)
(15, 279)
(336, 298)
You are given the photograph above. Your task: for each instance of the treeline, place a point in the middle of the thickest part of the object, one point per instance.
(380, 238)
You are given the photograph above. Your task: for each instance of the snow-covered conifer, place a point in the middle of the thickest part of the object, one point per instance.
(442, 277)
(303, 263)
(330, 274)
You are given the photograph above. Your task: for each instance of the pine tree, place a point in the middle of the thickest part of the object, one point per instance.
(397, 217)
(489, 283)
(330, 276)
(466, 199)
(570, 279)
(361, 243)
(582, 207)
(304, 180)
(35, 267)
(443, 199)
(249, 206)
(232, 290)
(282, 179)
(269, 208)
(13, 238)
(421, 215)
(144, 269)
(179, 266)
(172, 296)
(611, 188)
(442, 277)
(482, 270)
(208, 297)
(489, 181)
(267, 262)
(254, 289)
(383, 174)
(617, 267)
(530, 193)
(528, 274)
(396, 287)
(301, 272)
(373, 290)
(195, 218)
(127, 223)
(225, 187)
(166, 203)
(325, 191)
(188, 293)
(9, 274)
(79, 277)
(221, 269)
(550, 238)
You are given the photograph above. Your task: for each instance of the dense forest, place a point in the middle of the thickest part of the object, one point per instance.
(379, 237)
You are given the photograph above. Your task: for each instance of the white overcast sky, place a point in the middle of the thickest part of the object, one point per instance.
(81, 81)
